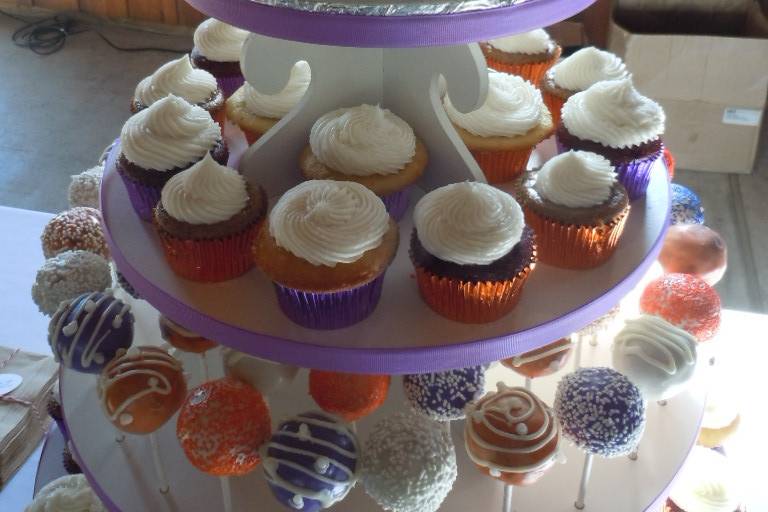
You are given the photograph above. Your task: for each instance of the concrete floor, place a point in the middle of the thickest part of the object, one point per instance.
(61, 110)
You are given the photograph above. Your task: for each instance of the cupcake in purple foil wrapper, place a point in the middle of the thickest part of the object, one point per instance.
(311, 461)
(217, 50)
(326, 247)
(614, 120)
(160, 142)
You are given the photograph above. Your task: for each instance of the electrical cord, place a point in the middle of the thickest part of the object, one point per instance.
(47, 36)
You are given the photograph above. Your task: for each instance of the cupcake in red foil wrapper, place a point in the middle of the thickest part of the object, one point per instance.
(217, 50)
(577, 208)
(612, 119)
(160, 142)
(528, 55)
(326, 246)
(207, 220)
(472, 251)
(669, 161)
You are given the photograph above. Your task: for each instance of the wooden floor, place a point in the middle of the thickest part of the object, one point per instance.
(58, 112)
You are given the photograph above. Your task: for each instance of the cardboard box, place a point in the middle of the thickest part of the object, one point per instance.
(713, 89)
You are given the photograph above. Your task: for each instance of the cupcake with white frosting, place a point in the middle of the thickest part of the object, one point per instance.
(255, 113)
(707, 483)
(528, 55)
(369, 145)
(70, 493)
(217, 51)
(472, 251)
(577, 208)
(502, 133)
(577, 73)
(207, 219)
(162, 141)
(614, 120)
(180, 78)
(326, 248)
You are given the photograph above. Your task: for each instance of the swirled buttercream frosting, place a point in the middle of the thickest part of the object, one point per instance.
(70, 493)
(169, 134)
(206, 193)
(328, 222)
(513, 107)
(707, 483)
(586, 67)
(362, 141)
(614, 114)
(219, 41)
(468, 223)
(576, 179)
(529, 43)
(180, 78)
(277, 105)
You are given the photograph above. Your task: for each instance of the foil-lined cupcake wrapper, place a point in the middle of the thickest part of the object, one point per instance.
(143, 198)
(635, 175)
(229, 83)
(330, 310)
(669, 161)
(531, 71)
(390, 8)
(213, 260)
(572, 246)
(555, 105)
(471, 302)
(397, 203)
(502, 166)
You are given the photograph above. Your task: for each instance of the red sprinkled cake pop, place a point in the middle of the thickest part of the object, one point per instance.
(349, 395)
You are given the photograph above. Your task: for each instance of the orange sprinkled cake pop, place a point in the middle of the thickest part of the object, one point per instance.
(349, 395)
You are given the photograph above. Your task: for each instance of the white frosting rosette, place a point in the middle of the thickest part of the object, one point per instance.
(586, 67)
(577, 179)
(275, 106)
(219, 41)
(529, 43)
(177, 77)
(70, 493)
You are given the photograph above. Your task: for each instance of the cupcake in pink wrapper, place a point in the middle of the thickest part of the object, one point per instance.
(369, 145)
(160, 142)
(612, 119)
(217, 50)
(326, 247)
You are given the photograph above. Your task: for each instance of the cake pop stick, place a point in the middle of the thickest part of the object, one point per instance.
(204, 367)
(226, 493)
(159, 469)
(586, 472)
(508, 490)
(577, 354)
(528, 383)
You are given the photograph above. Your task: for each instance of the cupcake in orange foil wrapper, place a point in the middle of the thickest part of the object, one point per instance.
(528, 55)
(472, 252)
(577, 208)
(207, 220)
(502, 133)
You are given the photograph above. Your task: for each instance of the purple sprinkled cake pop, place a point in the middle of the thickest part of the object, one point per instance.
(86, 332)
(442, 396)
(601, 411)
(310, 462)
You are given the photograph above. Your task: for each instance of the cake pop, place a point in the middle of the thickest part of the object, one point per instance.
(266, 376)
(707, 482)
(67, 275)
(84, 187)
(221, 426)
(126, 286)
(442, 396)
(141, 388)
(694, 249)
(685, 301)
(656, 356)
(310, 462)
(686, 206)
(77, 228)
(86, 332)
(182, 338)
(511, 435)
(543, 361)
(350, 395)
(409, 463)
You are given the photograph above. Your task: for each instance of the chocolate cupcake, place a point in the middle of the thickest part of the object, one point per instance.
(160, 142)
(612, 119)
(472, 251)
(577, 208)
(217, 50)
(528, 55)
(207, 219)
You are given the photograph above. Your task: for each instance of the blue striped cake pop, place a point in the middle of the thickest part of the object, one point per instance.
(310, 462)
(442, 396)
(686, 206)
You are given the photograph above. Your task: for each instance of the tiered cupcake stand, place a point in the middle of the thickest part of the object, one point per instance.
(389, 60)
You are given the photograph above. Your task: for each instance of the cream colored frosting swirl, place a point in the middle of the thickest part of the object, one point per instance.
(577, 179)
(613, 113)
(328, 222)
(513, 107)
(70, 493)
(468, 223)
(169, 134)
(219, 41)
(529, 43)
(277, 105)
(707, 483)
(586, 67)
(362, 141)
(180, 78)
(206, 193)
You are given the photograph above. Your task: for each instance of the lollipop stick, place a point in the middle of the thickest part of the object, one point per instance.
(508, 498)
(162, 480)
(528, 383)
(586, 472)
(593, 340)
(204, 367)
(226, 493)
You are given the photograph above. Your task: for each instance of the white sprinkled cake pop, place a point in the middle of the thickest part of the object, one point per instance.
(67, 275)
(84, 187)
